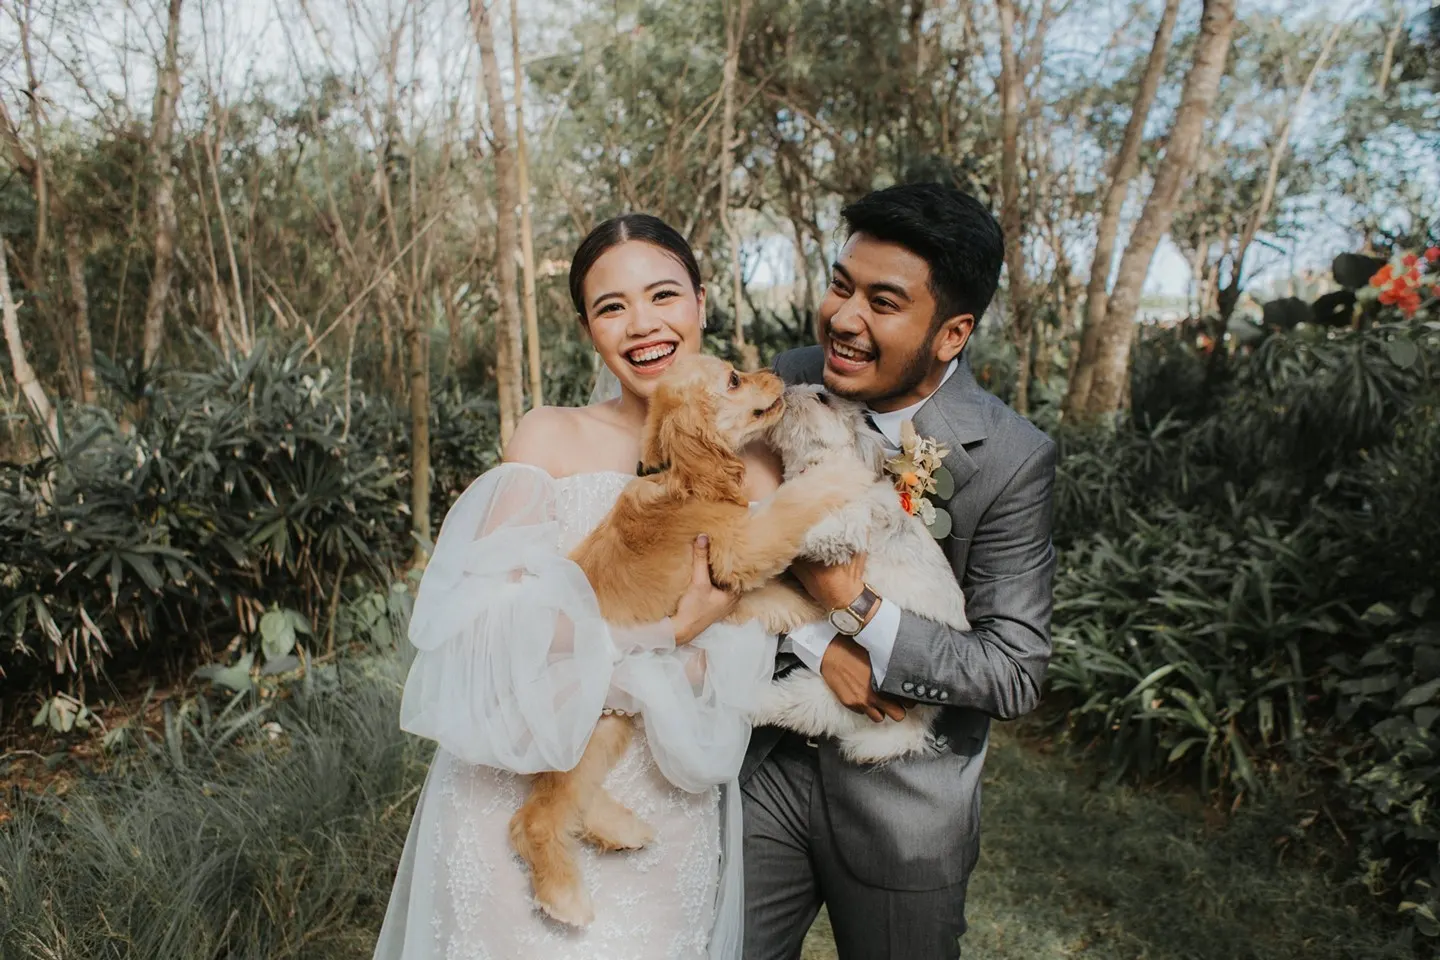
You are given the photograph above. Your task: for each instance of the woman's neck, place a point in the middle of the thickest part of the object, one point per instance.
(631, 409)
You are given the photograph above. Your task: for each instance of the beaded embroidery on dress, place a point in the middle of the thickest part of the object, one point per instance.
(461, 893)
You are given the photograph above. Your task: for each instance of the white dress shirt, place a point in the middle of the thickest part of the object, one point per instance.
(810, 641)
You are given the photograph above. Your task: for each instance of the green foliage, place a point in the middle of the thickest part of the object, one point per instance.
(243, 829)
(239, 489)
(1231, 558)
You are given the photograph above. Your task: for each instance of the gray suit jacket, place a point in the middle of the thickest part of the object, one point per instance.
(915, 824)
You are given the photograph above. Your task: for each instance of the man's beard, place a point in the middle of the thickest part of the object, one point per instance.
(917, 368)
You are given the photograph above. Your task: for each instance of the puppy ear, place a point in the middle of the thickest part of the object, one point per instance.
(701, 464)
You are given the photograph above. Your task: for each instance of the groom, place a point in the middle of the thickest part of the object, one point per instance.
(890, 850)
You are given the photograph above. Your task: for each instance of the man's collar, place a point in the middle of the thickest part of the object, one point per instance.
(960, 409)
(888, 423)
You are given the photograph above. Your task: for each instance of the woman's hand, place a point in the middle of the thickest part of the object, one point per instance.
(703, 603)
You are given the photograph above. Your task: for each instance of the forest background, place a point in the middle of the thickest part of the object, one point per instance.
(279, 277)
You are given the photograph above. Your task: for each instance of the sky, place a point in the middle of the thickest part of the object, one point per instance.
(245, 40)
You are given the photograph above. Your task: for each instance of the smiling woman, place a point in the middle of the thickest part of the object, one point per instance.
(636, 287)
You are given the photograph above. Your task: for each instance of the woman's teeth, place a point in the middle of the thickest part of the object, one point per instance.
(849, 353)
(651, 354)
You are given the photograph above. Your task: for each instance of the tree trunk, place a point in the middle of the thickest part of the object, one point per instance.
(1230, 296)
(1387, 60)
(80, 302)
(1127, 161)
(527, 238)
(167, 92)
(1202, 83)
(24, 374)
(416, 344)
(508, 375)
(1010, 222)
(734, 29)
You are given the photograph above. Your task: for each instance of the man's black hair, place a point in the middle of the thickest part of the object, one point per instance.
(950, 230)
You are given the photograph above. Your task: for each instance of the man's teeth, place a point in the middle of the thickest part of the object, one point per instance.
(849, 353)
(652, 353)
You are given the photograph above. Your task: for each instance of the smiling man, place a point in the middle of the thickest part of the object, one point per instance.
(890, 849)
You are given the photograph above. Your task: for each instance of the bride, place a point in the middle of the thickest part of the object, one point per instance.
(515, 666)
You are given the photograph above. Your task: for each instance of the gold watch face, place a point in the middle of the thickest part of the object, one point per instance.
(845, 621)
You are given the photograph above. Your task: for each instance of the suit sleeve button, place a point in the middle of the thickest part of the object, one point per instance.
(908, 687)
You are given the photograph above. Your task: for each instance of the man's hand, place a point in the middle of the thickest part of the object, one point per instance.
(832, 587)
(846, 669)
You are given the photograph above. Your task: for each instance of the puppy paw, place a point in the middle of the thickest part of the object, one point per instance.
(616, 828)
(568, 903)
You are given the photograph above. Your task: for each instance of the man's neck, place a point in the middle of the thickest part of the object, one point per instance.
(917, 394)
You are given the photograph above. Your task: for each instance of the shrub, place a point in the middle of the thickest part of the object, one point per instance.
(1244, 579)
(243, 486)
(252, 829)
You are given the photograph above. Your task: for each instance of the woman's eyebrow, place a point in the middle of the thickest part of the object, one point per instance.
(657, 283)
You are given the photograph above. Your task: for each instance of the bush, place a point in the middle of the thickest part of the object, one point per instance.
(252, 829)
(242, 487)
(1246, 569)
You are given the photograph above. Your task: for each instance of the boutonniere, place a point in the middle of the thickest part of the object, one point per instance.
(919, 475)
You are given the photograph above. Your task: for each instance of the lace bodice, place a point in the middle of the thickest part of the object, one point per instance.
(582, 500)
(461, 893)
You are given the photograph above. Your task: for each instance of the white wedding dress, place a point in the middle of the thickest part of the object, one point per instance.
(514, 666)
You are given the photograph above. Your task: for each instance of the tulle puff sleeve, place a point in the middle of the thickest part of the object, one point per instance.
(514, 662)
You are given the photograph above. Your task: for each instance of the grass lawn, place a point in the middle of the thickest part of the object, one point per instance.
(286, 849)
(1068, 869)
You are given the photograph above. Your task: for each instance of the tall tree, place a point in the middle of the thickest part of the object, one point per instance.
(162, 198)
(527, 237)
(1229, 295)
(25, 377)
(1010, 219)
(735, 14)
(508, 374)
(30, 163)
(1122, 171)
(1111, 364)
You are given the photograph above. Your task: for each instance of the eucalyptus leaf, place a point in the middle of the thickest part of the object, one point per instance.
(944, 484)
(942, 525)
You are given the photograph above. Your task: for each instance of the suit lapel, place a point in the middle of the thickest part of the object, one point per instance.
(955, 417)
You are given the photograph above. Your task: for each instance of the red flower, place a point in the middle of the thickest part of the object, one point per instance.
(1387, 296)
(1413, 275)
(906, 503)
(1409, 259)
(1382, 276)
(1432, 254)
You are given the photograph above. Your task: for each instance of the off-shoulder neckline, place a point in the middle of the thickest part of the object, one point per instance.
(519, 465)
(594, 473)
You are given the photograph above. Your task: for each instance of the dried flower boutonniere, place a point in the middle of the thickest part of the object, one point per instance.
(920, 474)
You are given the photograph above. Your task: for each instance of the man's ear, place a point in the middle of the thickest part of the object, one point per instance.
(952, 336)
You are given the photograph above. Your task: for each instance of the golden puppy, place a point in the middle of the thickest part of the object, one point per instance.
(639, 562)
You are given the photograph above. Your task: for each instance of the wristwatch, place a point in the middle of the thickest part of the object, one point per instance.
(851, 620)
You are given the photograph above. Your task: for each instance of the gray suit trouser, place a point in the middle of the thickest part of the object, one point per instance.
(792, 866)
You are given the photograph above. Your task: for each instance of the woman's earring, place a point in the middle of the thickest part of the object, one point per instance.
(704, 322)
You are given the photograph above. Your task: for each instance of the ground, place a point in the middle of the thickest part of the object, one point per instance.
(1072, 869)
(1069, 867)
